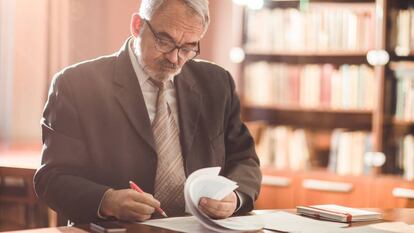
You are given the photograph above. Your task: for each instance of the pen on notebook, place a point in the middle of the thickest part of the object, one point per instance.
(138, 189)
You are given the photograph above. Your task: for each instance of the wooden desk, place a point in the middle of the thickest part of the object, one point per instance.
(20, 165)
(405, 215)
(17, 169)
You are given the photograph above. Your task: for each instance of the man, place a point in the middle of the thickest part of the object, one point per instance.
(149, 114)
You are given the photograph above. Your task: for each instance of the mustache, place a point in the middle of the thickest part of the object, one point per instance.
(166, 63)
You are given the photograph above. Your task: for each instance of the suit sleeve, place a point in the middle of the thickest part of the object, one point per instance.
(64, 179)
(242, 164)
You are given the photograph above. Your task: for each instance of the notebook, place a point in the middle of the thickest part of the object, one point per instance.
(338, 213)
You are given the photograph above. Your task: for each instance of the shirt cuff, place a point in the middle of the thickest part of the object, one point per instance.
(240, 200)
(98, 213)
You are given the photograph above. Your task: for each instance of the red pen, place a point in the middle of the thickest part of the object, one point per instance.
(135, 187)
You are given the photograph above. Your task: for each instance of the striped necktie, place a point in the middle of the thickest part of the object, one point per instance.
(170, 176)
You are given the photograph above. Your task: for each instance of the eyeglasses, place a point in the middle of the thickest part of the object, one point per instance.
(187, 52)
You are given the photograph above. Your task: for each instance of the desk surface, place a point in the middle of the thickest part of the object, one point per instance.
(404, 215)
(22, 159)
(17, 168)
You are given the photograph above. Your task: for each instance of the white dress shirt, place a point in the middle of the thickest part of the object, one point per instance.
(150, 91)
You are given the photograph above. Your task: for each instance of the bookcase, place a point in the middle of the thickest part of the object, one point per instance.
(330, 126)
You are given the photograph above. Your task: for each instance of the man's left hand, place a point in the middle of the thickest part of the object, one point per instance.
(219, 209)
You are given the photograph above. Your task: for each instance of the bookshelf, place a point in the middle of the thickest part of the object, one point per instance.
(361, 109)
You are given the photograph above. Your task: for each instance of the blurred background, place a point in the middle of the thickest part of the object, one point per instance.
(326, 88)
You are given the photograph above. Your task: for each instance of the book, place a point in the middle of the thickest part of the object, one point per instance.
(338, 213)
(207, 182)
(309, 86)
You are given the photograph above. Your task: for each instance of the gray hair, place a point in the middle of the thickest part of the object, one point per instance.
(200, 7)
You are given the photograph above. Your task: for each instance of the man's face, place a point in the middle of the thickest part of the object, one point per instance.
(173, 23)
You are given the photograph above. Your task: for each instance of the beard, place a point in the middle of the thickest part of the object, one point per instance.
(163, 70)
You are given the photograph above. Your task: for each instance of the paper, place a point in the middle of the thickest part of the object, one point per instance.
(287, 222)
(180, 224)
(386, 227)
(280, 221)
(206, 182)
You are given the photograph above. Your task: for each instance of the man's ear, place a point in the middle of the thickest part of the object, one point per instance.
(136, 23)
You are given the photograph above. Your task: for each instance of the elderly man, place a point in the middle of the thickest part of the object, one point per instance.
(150, 114)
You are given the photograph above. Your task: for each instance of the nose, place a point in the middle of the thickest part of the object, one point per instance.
(173, 56)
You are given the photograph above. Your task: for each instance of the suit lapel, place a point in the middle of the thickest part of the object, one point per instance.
(128, 92)
(189, 103)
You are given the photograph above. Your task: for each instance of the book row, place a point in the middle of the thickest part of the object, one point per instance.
(405, 158)
(404, 72)
(283, 147)
(350, 152)
(310, 86)
(402, 39)
(319, 29)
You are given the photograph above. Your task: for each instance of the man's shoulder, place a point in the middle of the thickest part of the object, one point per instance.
(203, 70)
(99, 64)
(88, 73)
(208, 76)
(204, 64)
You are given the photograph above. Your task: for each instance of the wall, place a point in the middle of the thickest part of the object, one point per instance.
(23, 68)
(6, 66)
(224, 33)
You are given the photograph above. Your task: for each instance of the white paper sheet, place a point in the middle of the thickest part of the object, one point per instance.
(281, 221)
(207, 183)
(385, 227)
(287, 222)
(181, 224)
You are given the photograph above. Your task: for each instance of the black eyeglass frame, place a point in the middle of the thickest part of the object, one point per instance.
(158, 41)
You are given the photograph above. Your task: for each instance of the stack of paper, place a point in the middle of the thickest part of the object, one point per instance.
(207, 183)
(279, 221)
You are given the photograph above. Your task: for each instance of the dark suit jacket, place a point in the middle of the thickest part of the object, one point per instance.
(97, 133)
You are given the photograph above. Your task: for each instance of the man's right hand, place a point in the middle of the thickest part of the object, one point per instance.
(128, 205)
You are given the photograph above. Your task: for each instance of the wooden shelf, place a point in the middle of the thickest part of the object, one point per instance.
(394, 57)
(295, 3)
(282, 4)
(401, 4)
(403, 122)
(402, 127)
(336, 57)
(320, 118)
(324, 173)
(317, 172)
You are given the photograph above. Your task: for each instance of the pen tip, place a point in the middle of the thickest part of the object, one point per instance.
(130, 182)
(164, 214)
